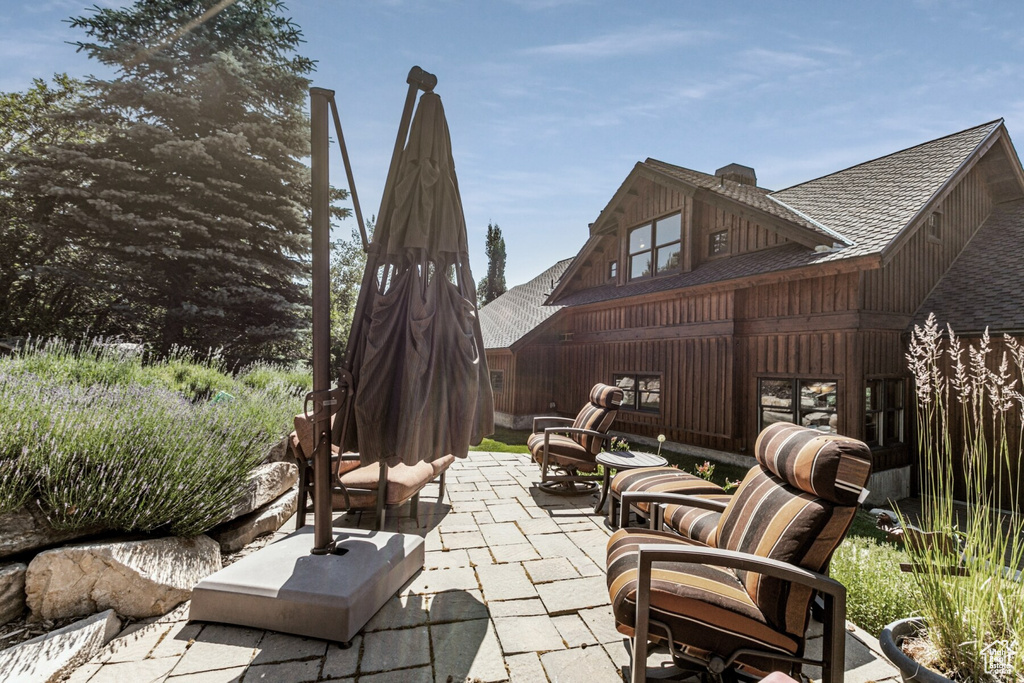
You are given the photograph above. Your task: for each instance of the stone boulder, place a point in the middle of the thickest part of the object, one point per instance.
(136, 578)
(266, 483)
(278, 452)
(12, 591)
(27, 529)
(54, 656)
(238, 533)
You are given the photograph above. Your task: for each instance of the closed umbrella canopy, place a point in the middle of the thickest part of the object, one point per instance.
(422, 386)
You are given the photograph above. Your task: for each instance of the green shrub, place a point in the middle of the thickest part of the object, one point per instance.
(877, 592)
(100, 438)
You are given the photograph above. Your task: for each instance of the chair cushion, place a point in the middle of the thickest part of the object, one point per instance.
(404, 481)
(342, 467)
(769, 518)
(696, 523)
(594, 418)
(606, 396)
(562, 451)
(442, 464)
(705, 606)
(830, 466)
(662, 480)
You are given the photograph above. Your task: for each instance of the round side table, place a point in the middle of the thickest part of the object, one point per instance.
(622, 460)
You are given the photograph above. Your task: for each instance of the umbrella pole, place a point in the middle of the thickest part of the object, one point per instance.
(323, 538)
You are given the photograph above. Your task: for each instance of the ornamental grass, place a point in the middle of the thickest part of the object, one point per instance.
(101, 438)
(970, 414)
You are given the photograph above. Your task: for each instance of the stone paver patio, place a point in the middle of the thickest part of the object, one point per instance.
(512, 590)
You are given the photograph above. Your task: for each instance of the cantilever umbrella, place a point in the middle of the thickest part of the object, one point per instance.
(422, 389)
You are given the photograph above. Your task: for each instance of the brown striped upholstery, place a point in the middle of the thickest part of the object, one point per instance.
(830, 466)
(562, 450)
(597, 416)
(576, 450)
(696, 523)
(794, 506)
(708, 606)
(662, 480)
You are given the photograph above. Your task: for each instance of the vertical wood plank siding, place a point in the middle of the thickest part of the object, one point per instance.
(902, 284)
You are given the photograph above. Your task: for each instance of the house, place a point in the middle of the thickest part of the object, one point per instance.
(721, 307)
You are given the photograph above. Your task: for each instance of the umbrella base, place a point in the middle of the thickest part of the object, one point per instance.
(283, 587)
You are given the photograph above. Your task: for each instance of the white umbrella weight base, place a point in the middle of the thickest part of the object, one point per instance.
(284, 587)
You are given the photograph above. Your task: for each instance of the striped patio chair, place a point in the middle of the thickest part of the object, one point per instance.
(571, 446)
(744, 604)
(647, 488)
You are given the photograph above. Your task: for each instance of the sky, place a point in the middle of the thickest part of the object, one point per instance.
(550, 103)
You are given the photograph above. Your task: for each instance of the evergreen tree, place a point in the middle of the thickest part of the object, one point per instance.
(492, 285)
(191, 185)
(348, 261)
(41, 293)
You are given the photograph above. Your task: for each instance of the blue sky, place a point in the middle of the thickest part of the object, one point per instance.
(552, 102)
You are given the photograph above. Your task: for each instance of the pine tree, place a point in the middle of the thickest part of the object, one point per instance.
(193, 187)
(492, 285)
(40, 294)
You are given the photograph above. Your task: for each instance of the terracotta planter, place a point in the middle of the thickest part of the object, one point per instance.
(891, 640)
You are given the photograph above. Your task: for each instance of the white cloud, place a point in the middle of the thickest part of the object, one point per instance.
(633, 41)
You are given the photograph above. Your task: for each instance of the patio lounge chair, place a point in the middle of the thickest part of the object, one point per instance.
(744, 604)
(571, 445)
(358, 487)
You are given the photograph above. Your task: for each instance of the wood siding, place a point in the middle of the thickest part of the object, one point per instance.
(744, 235)
(904, 282)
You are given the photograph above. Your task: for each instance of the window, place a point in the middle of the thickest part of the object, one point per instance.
(934, 226)
(718, 243)
(810, 403)
(639, 392)
(613, 270)
(497, 381)
(654, 248)
(883, 412)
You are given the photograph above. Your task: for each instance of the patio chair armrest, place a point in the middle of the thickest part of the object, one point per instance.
(539, 421)
(628, 498)
(733, 559)
(834, 636)
(574, 430)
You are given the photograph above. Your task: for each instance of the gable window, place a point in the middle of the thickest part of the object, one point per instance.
(805, 402)
(883, 411)
(613, 270)
(497, 381)
(654, 248)
(641, 393)
(718, 243)
(934, 227)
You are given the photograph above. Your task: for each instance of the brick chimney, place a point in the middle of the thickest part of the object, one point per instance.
(739, 173)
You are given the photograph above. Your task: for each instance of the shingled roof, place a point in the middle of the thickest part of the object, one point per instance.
(864, 208)
(991, 263)
(520, 310)
(751, 195)
(872, 202)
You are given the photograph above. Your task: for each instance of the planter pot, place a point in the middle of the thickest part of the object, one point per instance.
(891, 641)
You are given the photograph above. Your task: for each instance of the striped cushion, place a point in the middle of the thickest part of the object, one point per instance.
(662, 480)
(562, 451)
(696, 523)
(706, 607)
(830, 466)
(595, 419)
(606, 396)
(766, 517)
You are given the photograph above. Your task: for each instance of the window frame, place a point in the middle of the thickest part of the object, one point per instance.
(654, 247)
(933, 227)
(712, 243)
(635, 407)
(613, 269)
(500, 374)
(795, 407)
(885, 413)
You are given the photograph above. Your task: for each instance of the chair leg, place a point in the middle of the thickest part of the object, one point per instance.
(382, 494)
(414, 508)
(440, 495)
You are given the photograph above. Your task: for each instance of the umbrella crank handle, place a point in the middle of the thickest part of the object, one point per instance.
(421, 80)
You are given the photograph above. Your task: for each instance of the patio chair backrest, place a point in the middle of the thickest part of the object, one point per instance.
(597, 416)
(796, 506)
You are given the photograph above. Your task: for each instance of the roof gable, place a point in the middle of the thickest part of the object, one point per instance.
(872, 203)
(520, 310)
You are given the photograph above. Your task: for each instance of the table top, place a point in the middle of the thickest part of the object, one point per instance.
(624, 460)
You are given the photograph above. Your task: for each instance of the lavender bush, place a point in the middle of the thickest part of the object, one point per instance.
(101, 438)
